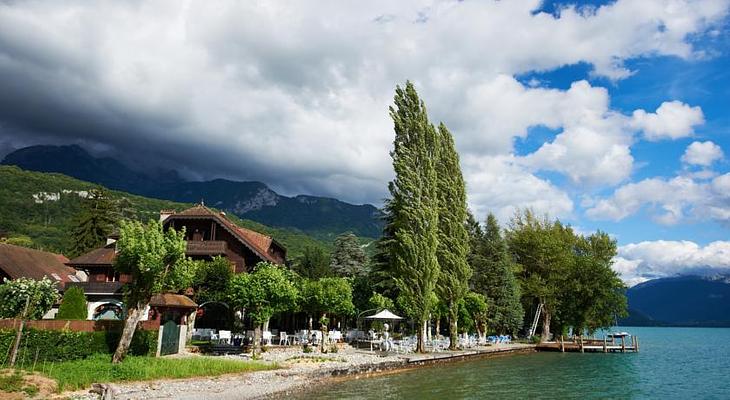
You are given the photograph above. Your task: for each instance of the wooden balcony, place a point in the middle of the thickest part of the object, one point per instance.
(206, 248)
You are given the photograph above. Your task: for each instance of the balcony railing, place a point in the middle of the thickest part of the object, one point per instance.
(206, 248)
(98, 288)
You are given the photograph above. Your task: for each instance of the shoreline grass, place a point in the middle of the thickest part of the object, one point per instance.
(80, 374)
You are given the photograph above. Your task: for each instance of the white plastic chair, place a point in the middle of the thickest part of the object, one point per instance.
(283, 339)
(267, 337)
(224, 336)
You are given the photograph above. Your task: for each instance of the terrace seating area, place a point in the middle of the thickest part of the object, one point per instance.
(224, 341)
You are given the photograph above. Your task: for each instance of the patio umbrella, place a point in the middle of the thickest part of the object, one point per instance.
(385, 314)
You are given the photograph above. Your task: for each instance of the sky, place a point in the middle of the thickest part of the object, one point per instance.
(608, 115)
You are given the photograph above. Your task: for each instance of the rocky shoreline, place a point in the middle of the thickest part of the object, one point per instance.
(299, 372)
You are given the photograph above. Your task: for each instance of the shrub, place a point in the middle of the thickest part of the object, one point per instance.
(63, 345)
(41, 296)
(73, 305)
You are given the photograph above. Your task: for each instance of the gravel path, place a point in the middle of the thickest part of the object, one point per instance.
(298, 370)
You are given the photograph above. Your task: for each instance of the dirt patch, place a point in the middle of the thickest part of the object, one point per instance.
(24, 385)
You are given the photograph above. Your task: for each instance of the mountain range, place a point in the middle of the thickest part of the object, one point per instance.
(39, 209)
(321, 217)
(680, 301)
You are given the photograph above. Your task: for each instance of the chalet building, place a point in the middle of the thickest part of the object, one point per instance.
(208, 234)
(21, 262)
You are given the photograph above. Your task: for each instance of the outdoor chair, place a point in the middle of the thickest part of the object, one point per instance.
(283, 339)
(267, 338)
(224, 337)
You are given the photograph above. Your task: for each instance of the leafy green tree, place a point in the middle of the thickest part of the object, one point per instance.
(262, 293)
(362, 290)
(594, 294)
(156, 261)
(453, 238)
(473, 313)
(413, 207)
(95, 221)
(314, 263)
(329, 296)
(348, 258)
(40, 296)
(494, 277)
(379, 302)
(543, 249)
(212, 279)
(73, 305)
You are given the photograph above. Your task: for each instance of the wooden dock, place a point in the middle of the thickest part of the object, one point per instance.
(605, 345)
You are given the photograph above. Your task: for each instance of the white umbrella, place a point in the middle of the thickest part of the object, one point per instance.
(385, 314)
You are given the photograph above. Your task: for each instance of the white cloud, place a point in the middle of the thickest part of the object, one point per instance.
(593, 147)
(500, 185)
(702, 153)
(668, 201)
(672, 120)
(637, 262)
(296, 93)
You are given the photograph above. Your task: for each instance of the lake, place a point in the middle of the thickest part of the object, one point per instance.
(676, 363)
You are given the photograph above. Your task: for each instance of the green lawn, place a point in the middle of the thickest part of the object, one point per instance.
(80, 374)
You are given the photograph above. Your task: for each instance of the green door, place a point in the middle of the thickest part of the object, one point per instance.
(170, 337)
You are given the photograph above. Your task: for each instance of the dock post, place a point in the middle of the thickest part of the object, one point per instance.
(637, 344)
(623, 344)
(581, 343)
(562, 344)
(605, 344)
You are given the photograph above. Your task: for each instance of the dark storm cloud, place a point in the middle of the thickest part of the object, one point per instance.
(296, 95)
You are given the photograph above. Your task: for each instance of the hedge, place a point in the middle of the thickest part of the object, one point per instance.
(63, 345)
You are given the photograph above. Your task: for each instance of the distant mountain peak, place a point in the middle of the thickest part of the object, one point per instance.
(686, 300)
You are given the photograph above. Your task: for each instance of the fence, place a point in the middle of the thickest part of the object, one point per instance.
(76, 325)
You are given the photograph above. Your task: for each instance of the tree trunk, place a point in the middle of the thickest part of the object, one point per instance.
(309, 326)
(16, 345)
(134, 314)
(482, 331)
(19, 335)
(323, 329)
(421, 345)
(256, 341)
(191, 325)
(266, 324)
(545, 336)
(453, 326)
(438, 326)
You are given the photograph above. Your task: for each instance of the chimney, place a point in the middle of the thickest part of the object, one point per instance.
(165, 213)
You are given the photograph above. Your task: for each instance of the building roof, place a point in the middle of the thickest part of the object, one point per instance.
(257, 242)
(172, 300)
(21, 262)
(101, 256)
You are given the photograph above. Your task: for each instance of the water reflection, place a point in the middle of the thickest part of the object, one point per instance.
(673, 363)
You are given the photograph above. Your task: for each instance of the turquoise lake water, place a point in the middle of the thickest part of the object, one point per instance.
(674, 363)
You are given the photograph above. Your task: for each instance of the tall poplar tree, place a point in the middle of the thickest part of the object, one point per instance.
(414, 207)
(453, 238)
